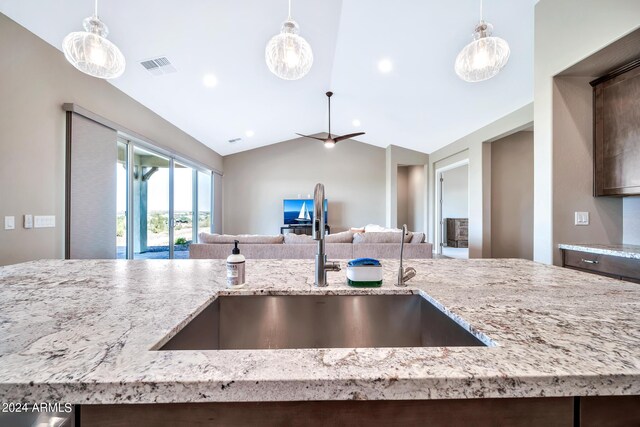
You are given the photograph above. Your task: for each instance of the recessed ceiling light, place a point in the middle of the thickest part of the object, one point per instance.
(249, 133)
(356, 122)
(209, 80)
(385, 65)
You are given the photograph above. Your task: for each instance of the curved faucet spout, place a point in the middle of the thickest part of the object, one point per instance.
(318, 212)
(322, 265)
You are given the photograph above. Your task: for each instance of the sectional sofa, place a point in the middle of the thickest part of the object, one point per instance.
(345, 245)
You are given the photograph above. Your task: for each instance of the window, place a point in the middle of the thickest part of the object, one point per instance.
(162, 203)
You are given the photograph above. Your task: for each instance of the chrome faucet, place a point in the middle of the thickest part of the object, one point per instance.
(322, 265)
(404, 275)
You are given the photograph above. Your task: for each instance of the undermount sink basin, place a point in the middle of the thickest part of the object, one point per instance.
(244, 322)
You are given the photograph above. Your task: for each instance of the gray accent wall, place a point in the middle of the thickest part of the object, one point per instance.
(35, 82)
(256, 181)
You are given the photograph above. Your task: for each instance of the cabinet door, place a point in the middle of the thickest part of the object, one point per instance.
(617, 134)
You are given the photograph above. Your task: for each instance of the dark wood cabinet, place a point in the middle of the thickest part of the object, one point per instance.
(605, 265)
(616, 103)
(548, 412)
(457, 232)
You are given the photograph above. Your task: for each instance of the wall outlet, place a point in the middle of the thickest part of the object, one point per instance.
(44, 221)
(9, 222)
(28, 221)
(582, 218)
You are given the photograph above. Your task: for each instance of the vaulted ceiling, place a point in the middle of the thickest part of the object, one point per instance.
(420, 104)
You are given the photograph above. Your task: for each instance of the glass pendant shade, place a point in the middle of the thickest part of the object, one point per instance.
(484, 57)
(90, 51)
(288, 55)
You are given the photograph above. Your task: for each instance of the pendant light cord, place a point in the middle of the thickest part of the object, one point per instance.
(289, 9)
(481, 17)
(96, 9)
(329, 117)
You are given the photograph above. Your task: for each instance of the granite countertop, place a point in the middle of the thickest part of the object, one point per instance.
(623, 251)
(81, 332)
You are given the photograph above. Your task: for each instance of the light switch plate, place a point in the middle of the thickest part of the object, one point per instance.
(28, 221)
(9, 222)
(44, 221)
(582, 218)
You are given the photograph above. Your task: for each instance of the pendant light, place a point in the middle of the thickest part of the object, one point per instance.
(90, 51)
(288, 55)
(484, 57)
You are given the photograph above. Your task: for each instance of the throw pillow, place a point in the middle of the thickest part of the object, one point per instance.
(418, 237)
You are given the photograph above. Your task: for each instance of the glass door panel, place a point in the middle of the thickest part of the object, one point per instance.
(150, 205)
(183, 202)
(204, 203)
(121, 201)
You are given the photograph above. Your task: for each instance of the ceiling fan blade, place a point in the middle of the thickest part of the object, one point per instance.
(349, 136)
(312, 137)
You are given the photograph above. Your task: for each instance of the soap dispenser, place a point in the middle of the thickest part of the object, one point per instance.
(235, 268)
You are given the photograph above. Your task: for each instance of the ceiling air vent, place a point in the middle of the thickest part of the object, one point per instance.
(235, 140)
(158, 66)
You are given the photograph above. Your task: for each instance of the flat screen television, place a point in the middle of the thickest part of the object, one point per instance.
(300, 211)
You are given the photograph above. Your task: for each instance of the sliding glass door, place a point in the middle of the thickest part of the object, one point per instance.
(162, 204)
(205, 205)
(121, 201)
(183, 201)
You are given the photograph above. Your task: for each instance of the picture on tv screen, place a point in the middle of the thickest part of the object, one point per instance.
(300, 211)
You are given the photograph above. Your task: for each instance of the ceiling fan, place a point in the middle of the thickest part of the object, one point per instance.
(331, 140)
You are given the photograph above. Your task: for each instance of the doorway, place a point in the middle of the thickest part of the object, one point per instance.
(453, 210)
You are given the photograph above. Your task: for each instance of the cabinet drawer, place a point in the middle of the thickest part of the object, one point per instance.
(606, 264)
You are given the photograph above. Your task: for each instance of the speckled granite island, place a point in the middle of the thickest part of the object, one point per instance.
(83, 332)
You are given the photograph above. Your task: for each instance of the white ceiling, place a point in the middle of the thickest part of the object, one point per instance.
(421, 104)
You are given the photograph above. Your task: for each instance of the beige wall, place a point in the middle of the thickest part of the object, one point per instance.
(512, 196)
(477, 150)
(417, 190)
(566, 32)
(403, 195)
(411, 197)
(398, 156)
(35, 81)
(573, 170)
(256, 181)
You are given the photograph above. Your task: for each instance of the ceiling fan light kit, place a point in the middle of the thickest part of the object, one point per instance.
(288, 55)
(331, 140)
(90, 51)
(484, 57)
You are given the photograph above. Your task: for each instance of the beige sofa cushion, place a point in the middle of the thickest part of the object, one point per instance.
(297, 239)
(380, 237)
(242, 238)
(344, 237)
(418, 237)
(303, 239)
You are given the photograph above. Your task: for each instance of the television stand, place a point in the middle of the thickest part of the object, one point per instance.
(301, 229)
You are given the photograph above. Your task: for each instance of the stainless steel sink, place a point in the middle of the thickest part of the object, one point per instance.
(320, 321)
